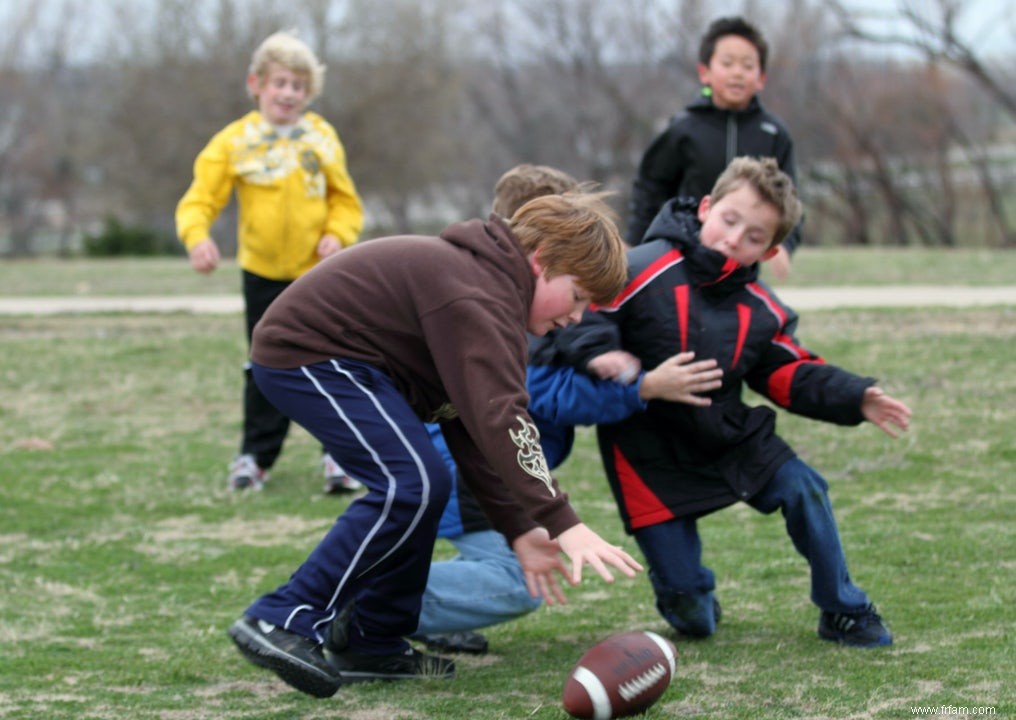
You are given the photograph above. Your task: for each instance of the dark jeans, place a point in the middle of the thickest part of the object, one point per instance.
(684, 586)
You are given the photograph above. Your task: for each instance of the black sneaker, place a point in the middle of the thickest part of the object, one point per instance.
(463, 641)
(299, 661)
(357, 667)
(860, 629)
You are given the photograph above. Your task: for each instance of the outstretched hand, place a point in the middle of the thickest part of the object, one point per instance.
(678, 379)
(540, 558)
(583, 546)
(884, 411)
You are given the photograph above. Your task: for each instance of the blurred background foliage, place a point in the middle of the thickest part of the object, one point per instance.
(904, 116)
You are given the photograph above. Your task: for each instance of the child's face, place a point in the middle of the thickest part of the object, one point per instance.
(734, 73)
(556, 302)
(281, 94)
(741, 225)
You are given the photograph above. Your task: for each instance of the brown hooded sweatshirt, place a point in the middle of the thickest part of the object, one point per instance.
(445, 317)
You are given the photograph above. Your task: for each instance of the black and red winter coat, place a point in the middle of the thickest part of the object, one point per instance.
(676, 460)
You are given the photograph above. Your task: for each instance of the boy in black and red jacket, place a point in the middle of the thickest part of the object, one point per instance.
(693, 285)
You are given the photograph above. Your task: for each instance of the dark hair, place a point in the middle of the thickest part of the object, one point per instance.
(724, 26)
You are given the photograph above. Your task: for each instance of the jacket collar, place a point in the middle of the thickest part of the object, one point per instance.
(678, 224)
(704, 104)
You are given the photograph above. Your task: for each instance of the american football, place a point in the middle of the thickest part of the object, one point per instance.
(620, 676)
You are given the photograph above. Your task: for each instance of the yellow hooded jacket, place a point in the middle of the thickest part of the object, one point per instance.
(290, 192)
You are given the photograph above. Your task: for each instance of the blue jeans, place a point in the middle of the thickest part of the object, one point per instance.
(483, 585)
(684, 587)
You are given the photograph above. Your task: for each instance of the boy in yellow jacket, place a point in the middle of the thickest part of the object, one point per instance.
(297, 205)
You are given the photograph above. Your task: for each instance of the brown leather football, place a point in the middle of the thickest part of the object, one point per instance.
(620, 676)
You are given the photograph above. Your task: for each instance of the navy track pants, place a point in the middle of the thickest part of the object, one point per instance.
(378, 553)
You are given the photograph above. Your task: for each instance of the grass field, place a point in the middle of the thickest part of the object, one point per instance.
(124, 559)
(812, 267)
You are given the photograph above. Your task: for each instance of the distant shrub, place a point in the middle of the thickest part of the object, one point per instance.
(118, 239)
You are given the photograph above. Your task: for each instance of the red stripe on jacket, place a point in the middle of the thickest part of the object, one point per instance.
(643, 507)
(681, 306)
(669, 258)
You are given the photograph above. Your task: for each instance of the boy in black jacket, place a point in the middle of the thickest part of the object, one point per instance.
(693, 285)
(726, 121)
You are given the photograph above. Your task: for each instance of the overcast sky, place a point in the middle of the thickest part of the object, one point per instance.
(991, 22)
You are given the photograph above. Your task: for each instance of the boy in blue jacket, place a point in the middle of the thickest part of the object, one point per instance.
(693, 285)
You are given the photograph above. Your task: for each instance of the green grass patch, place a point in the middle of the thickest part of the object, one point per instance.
(124, 558)
(813, 266)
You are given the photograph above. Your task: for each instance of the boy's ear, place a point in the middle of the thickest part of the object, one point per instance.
(703, 74)
(253, 85)
(770, 253)
(703, 208)
(535, 264)
(761, 82)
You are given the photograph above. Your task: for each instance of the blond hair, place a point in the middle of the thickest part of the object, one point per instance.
(287, 50)
(526, 181)
(575, 234)
(772, 184)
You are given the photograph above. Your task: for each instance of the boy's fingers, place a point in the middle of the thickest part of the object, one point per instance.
(553, 590)
(576, 572)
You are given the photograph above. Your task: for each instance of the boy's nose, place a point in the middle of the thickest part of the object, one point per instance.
(731, 240)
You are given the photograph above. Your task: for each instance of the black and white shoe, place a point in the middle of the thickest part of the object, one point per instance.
(299, 661)
(337, 482)
(246, 474)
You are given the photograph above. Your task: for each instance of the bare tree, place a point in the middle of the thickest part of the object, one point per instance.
(107, 104)
(583, 85)
(397, 106)
(41, 123)
(932, 29)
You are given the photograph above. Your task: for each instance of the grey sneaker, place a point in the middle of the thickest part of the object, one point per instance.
(299, 661)
(336, 480)
(860, 629)
(245, 474)
(358, 667)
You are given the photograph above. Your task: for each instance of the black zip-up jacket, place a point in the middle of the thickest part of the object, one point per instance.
(677, 460)
(687, 157)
